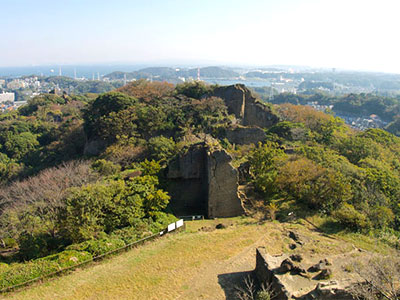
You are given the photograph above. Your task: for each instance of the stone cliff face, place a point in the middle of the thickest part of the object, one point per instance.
(223, 199)
(202, 181)
(242, 103)
(245, 135)
(187, 182)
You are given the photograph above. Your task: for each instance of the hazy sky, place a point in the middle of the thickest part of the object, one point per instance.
(351, 34)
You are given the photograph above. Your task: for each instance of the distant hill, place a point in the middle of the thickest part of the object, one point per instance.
(165, 73)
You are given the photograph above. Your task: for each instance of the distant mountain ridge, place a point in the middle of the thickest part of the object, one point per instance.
(165, 73)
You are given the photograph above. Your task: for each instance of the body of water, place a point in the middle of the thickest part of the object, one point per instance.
(54, 70)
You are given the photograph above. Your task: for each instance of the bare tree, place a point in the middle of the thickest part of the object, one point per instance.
(381, 279)
(249, 291)
(36, 201)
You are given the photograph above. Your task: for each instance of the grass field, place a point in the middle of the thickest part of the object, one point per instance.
(199, 263)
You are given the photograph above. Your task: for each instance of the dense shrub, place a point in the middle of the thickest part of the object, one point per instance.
(312, 184)
(144, 227)
(111, 205)
(348, 216)
(263, 295)
(105, 167)
(20, 273)
(264, 162)
(98, 247)
(161, 148)
(195, 89)
(68, 258)
(3, 267)
(38, 245)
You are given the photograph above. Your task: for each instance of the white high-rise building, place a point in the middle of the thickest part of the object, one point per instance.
(4, 97)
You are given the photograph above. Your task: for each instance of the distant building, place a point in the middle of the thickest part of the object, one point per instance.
(16, 84)
(2, 82)
(7, 97)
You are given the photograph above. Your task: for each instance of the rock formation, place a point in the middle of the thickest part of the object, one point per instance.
(242, 103)
(278, 272)
(245, 135)
(202, 181)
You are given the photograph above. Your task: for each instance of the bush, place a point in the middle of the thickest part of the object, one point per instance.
(162, 220)
(105, 167)
(130, 234)
(20, 273)
(350, 217)
(263, 295)
(9, 243)
(195, 89)
(161, 148)
(34, 246)
(68, 258)
(98, 247)
(4, 267)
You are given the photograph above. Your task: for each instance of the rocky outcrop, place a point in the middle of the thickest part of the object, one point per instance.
(245, 135)
(187, 182)
(289, 280)
(223, 199)
(265, 274)
(329, 291)
(202, 181)
(242, 103)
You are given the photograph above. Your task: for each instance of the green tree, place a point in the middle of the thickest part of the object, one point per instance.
(264, 162)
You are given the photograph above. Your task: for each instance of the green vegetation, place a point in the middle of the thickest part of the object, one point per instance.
(81, 176)
(352, 177)
(184, 265)
(387, 108)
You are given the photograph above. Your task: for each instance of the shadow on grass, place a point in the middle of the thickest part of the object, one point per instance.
(230, 282)
(331, 227)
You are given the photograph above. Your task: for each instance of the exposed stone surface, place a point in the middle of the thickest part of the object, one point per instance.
(294, 236)
(264, 272)
(329, 291)
(325, 274)
(319, 266)
(286, 266)
(296, 257)
(242, 103)
(187, 182)
(288, 285)
(223, 198)
(245, 135)
(202, 181)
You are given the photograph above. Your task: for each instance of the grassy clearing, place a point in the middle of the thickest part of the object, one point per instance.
(186, 265)
(158, 270)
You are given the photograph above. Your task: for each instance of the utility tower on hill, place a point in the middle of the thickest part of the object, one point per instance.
(198, 74)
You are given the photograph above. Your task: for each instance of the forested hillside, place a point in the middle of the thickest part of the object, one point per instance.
(81, 175)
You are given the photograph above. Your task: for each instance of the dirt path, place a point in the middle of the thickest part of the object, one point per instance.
(218, 281)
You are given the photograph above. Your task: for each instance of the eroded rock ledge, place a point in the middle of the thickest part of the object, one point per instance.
(203, 181)
(297, 285)
(244, 105)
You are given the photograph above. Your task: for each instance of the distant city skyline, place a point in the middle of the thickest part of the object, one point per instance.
(351, 35)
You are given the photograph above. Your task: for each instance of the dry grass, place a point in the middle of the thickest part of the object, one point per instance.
(186, 265)
(159, 270)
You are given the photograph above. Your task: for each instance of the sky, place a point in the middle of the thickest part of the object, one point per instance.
(343, 34)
